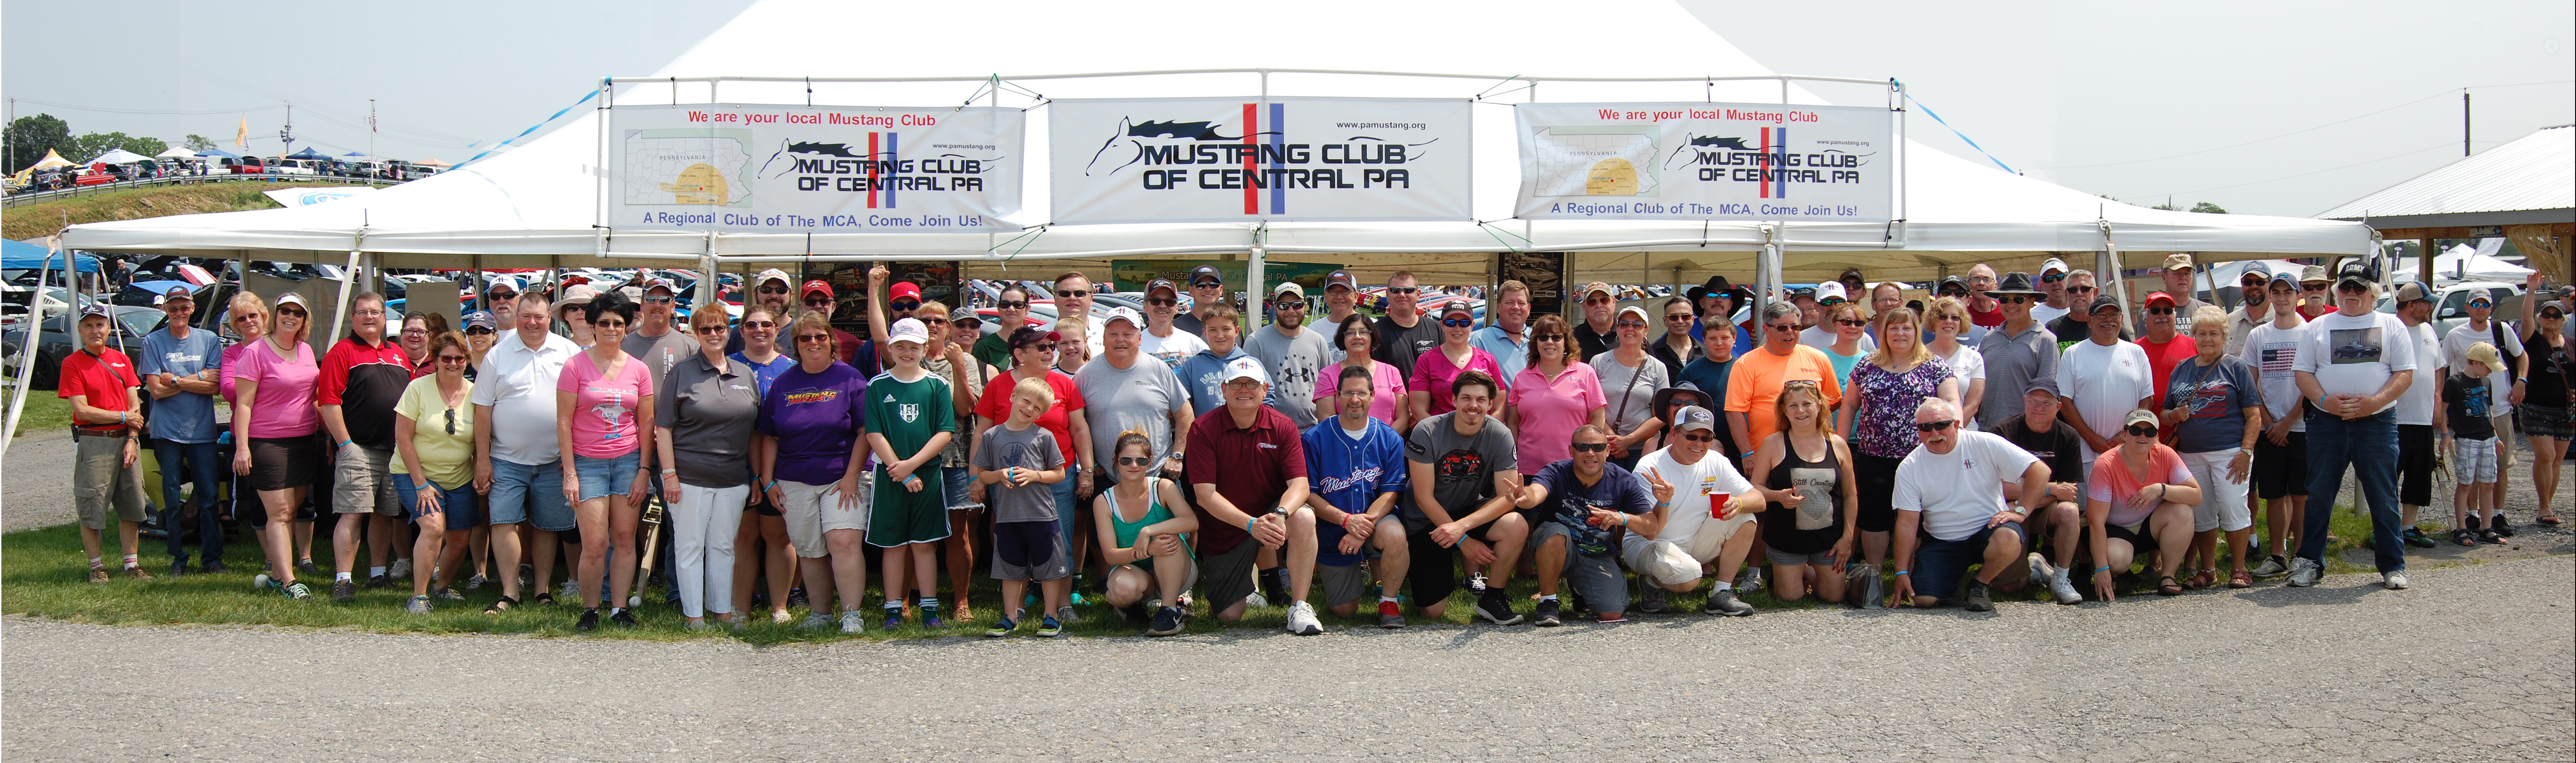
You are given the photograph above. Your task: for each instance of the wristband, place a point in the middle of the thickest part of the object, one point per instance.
(1247, 523)
(1903, 573)
(2102, 569)
(343, 444)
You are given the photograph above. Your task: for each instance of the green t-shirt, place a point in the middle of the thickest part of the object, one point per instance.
(993, 350)
(907, 413)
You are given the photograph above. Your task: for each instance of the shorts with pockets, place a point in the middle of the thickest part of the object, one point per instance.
(360, 482)
(1671, 563)
(1940, 566)
(2476, 462)
(2222, 503)
(604, 477)
(1229, 574)
(812, 510)
(456, 506)
(284, 463)
(1434, 572)
(103, 484)
(2280, 470)
(899, 516)
(2415, 446)
(1597, 579)
(1342, 583)
(531, 494)
(1027, 551)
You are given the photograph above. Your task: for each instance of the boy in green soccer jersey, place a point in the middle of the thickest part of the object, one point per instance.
(910, 418)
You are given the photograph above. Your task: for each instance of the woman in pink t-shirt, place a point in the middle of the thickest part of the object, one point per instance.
(1356, 340)
(1440, 365)
(1554, 395)
(606, 398)
(274, 422)
(2139, 499)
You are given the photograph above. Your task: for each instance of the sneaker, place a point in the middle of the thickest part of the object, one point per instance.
(2304, 572)
(930, 619)
(419, 605)
(1066, 615)
(624, 618)
(1001, 627)
(854, 622)
(2415, 537)
(1496, 608)
(2502, 527)
(306, 566)
(1167, 622)
(2040, 572)
(571, 591)
(1653, 601)
(815, 621)
(1389, 614)
(178, 567)
(296, 591)
(449, 594)
(135, 571)
(98, 574)
(1049, 628)
(1749, 580)
(475, 583)
(588, 622)
(2272, 567)
(213, 567)
(260, 583)
(1254, 601)
(379, 582)
(795, 597)
(696, 624)
(1980, 599)
(780, 617)
(343, 591)
(1547, 614)
(1722, 602)
(2060, 586)
(401, 569)
(2395, 581)
(893, 619)
(1301, 620)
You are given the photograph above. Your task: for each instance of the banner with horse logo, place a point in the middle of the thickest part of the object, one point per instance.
(1705, 161)
(1201, 160)
(814, 169)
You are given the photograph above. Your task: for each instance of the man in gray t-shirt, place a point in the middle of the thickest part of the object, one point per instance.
(1293, 353)
(1122, 390)
(1030, 448)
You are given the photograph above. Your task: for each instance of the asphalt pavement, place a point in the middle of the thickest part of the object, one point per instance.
(2473, 663)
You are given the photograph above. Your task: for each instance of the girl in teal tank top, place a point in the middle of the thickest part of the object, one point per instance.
(1150, 552)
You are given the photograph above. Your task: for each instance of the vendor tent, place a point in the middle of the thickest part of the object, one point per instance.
(534, 203)
(217, 153)
(176, 152)
(2463, 262)
(50, 161)
(20, 255)
(308, 153)
(119, 156)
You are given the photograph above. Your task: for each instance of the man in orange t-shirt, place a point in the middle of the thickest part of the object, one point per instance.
(1755, 383)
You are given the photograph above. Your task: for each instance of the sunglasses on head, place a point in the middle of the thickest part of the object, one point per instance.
(1928, 427)
(1134, 461)
(1591, 447)
(1460, 323)
(2140, 430)
(1016, 304)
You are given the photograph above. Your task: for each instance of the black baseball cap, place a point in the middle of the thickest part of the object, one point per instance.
(1206, 274)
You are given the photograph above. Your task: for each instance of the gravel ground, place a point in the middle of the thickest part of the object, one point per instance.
(2474, 663)
(36, 482)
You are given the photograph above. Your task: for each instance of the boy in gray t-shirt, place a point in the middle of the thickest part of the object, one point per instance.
(1020, 463)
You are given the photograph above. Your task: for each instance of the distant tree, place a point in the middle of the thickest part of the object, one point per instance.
(145, 145)
(196, 142)
(87, 147)
(2167, 206)
(30, 137)
(2208, 208)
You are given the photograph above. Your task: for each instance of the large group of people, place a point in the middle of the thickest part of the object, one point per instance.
(2012, 434)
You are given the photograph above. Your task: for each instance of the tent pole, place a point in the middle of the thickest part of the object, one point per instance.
(1252, 277)
(2110, 259)
(1766, 277)
(27, 354)
(340, 314)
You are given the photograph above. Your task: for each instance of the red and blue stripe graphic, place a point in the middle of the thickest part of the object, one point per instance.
(1774, 185)
(1252, 175)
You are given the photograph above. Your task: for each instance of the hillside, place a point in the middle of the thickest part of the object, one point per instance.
(44, 218)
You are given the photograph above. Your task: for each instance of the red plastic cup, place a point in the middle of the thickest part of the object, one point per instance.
(1720, 505)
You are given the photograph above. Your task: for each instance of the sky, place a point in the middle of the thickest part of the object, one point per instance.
(2284, 108)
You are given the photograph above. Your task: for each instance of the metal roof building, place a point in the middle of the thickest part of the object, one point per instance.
(2524, 190)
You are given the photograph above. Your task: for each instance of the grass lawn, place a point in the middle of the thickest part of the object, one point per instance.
(44, 413)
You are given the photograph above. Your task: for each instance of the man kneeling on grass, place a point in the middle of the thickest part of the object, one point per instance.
(1580, 500)
(1709, 520)
(1950, 508)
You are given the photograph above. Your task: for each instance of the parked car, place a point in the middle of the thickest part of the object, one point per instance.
(2450, 303)
(58, 342)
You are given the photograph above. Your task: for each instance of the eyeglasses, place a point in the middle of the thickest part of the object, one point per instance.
(1151, 301)
(1207, 284)
(650, 299)
(2551, 312)
(2160, 311)
(1015, 304)
(1784, 327)
(1928, 427)
(451, 412)
(814, 338)
(453, 358)
(1548, 338)
(291, 313)
(819, 302)
(1289, 304)
(1851, 322)
(1460, 323)
(1940, 318)
(969, 322)
(608, 324)
(413, 332)
(1631, 324)
(759, 324)
(1039, 347)
(1597, 301)
(1699, 437)
(478, 331)
(2352, 288)
(2079, 290)
(2306, 287)
(1404, 290)
(1134, 461)
(2014, 299)
(773, 290)
(905, 306)
(1074, 293)
(2141, 430)
(1591, 447)
(1683, 318)
(710, 330)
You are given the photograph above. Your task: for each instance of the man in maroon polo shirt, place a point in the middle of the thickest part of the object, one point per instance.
(1246, 458)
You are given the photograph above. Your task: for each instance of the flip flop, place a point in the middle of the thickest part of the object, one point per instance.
(2167, 587)
(2550, 520)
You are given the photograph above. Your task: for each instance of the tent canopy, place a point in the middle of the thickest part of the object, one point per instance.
(536, 202)
(50, 161)
(308, 153)
(119, 156)
(176, 152)
(217, 153)
(20, 255)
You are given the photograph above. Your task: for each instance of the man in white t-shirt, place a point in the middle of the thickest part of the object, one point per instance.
(1820, 335)
(2052, 282)
(2417, 438)
(2280, 475)
(1163, 340)
(1951, 489)
(2353, 365)
(2103, 379)
(1703, 511)
(516, 456)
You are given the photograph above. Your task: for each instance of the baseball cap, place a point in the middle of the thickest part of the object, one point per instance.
(1851, 274)
(1695, 417)
(1289, 287)
(2178, 261)
(1598, 287)
(902, 289)
(2286, 277)
(1951, 283)
(2256, 269)
(1161, 284)
(180, 292)
(1029, 335)
(1637, 310)
(908, 330)
(100, 310)
(659, 283)
(2485, 354)
(2356, 271)
(1115, 313)
(504, 284)
(2104, 302)
(1245, 367)
(2052, 265)
(1205, 274)
(2042, 384)
(2155, 297)
(2140, 416)
(1459, 307)
(816, 285)
(1831, 291)
(2480, 297)
(482, 319)
(1341, 278)
(772, 274)
(2412, 292)
(2313, 274)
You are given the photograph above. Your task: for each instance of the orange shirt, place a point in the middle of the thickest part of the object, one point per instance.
(1754, 386)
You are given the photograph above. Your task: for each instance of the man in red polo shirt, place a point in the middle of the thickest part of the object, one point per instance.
(362, 377)
(1246, 458)
(107, 419)
(2167, 341)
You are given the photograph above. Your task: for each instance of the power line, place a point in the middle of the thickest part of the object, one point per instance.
(179, 112)
(2305, 130)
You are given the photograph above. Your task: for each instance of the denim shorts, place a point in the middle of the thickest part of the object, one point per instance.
(1941, 565)
(604, 477)
(959, 478)
(531, 494)
(457, 504)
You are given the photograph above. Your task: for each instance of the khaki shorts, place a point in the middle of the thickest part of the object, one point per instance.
(101, 480)
(2504, 435)
(811, 510)
(361, 483)
(1673, 563)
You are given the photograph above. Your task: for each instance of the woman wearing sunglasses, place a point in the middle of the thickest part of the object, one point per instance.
(1145, 528)
(274, 423)
(1554, 395)
(1806, 473)
(1438, 366)
(606, 398)
(434, 475)
(1630, 378)
(811, 463)
(1390, 403)
(2548, 394)
(1850, 327)
(1877, 419)
(761, 549)
(1950, 342)
(703, 418)
(2139, 500)
(1033, 352)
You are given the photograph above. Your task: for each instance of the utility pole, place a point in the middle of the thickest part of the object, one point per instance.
(2464, 121)
(286, 134)
(371, 138)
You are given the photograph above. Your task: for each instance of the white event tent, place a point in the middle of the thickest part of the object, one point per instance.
(535, 204)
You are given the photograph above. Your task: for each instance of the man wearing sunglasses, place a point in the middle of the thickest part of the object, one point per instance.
(179, 365)
(1292, 353)
(1951, 512)
(2075, 327)
(771, 290)
(1754, 384)
(1703, 513)
(1403, 334)
(1597, 333)
(1715, 302)
(2103, 379)
(1073, 293)
(1207, 289)
(2052, 283)
(2016, 354)
(2353, 366)
(2503, 388)
(1163, 338)
(2254, 286)
(1580, 500)
(2316, 292)
(2168, 341)
(653, 340)
(502, 295)
(362, 377)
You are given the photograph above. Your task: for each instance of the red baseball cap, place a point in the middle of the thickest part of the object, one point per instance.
(2153, 298)
(815, 286)
(901, 290)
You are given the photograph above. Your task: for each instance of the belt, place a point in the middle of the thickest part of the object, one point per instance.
(78, 432)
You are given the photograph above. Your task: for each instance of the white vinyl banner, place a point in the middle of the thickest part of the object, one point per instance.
(814, 169)
(1705, 161)
(1249, 159)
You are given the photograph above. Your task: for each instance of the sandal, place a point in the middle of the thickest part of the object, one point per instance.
(2202, 579)
(2242, 579)
(2547, 519)
(2464, 536)
(2167, 587)
(2491, 537)
(504, 605)
(547, 599)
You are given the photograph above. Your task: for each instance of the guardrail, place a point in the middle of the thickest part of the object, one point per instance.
(16, 199)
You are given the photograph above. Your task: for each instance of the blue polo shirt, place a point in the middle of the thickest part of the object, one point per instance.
(186, 417)
(1511, 356)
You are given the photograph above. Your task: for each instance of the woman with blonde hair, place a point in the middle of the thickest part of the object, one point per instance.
(274, 427)
(1879, 400)
(606, 397)
(1805, 472)
(433, 470)
(1949, 331)
(702, 422)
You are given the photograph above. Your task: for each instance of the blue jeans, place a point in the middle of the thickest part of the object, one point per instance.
(2369, 446)
(200, 469)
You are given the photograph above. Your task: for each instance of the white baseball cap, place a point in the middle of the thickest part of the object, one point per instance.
(908, 330)
(1115, 313)
(1246, 368)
